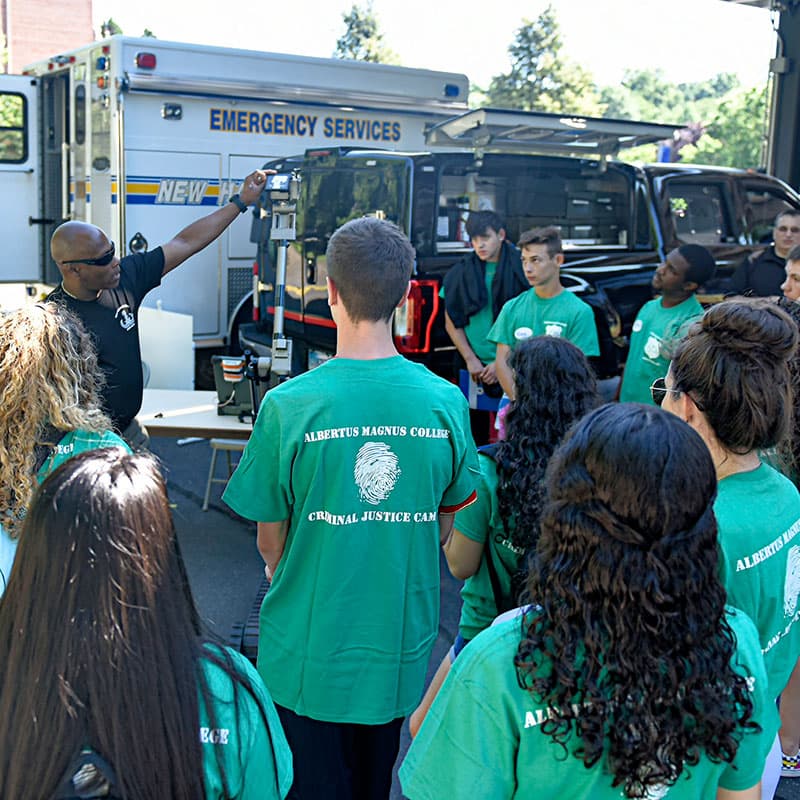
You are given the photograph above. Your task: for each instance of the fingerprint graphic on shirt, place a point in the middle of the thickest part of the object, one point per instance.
(791, 587)
(376, 472)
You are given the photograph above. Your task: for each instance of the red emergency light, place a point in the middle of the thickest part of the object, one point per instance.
(145, 60)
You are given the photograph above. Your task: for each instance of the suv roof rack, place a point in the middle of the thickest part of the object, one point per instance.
(502, 130)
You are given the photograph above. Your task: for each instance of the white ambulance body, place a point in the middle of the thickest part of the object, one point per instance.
(142, 137)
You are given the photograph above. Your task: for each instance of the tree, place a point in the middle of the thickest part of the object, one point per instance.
(109, 28)
(541, 78)
(736, 133)
(362, 39)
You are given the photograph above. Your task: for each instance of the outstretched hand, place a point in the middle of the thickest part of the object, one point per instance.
(253, 184)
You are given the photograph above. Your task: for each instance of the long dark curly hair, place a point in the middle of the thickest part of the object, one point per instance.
(555, 387)
(629, 645)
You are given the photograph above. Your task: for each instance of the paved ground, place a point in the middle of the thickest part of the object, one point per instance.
(226, 571)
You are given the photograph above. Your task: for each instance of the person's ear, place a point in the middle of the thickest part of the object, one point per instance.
(691, 286)
(559, 257)
(333, 292)
(501, 234)
(404, 298)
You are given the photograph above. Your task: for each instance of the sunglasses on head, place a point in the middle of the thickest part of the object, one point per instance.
(101, 261)
(658, 390)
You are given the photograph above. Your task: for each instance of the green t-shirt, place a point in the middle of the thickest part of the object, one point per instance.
(479, 521)
(655, 330)
(482, 736)
(76, 442)
(360, 456)
(563, 315)
(758, 514)
(256, 757)
(70, 445)
(478, 324)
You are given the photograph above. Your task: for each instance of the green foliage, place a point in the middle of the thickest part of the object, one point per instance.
(541, 78)
(362, 39)
(736, 133)
(109, 28)
(720, 122)
(148, 34)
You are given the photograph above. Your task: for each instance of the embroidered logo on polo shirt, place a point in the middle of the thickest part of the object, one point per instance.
(376, 472)
(554, 328)
(125, 317)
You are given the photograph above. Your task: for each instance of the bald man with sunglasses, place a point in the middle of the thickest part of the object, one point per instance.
(105, 291)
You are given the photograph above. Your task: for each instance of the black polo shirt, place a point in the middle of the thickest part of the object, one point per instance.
(113, 321)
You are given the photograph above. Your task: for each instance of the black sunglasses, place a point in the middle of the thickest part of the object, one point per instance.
(101, 261)
(658, 390)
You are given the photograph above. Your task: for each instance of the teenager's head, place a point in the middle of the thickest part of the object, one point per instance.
(729, 376)
(542, 256)
(370, 262)
(791, 286)
(486, 231)
(48, 376)
(786, 233)
(625, 577)
(100, 590)
(555, 387)
(684, 270)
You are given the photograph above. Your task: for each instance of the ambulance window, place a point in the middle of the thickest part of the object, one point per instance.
(80, 114)
(13, 119)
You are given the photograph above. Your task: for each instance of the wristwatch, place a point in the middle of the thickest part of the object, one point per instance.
(238, 202)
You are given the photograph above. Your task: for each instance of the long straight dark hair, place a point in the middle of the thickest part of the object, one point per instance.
(100, 637)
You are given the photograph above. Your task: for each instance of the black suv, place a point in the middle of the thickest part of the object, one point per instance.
(617, 221)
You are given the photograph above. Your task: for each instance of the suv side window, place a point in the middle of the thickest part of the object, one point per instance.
(762, 203)
(699, 212)
(592, 207)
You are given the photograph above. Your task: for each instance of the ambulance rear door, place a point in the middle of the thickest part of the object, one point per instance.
(20, 217)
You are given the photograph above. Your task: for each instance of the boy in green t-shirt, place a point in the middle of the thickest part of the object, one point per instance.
(660, 323)
(354, 472)
(546, 309)
(475, 290)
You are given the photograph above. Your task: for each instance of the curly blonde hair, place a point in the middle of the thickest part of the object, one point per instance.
(49, 378)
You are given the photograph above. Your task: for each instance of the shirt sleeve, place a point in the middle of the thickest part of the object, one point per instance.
(266, 759)
(584, 332)
(747, 767)
(474, 520)
(466, 472)
(147, 269)
(260, 488)
(464, 748)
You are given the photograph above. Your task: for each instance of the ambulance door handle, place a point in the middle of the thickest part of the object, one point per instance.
(311, 270)
(41, 221)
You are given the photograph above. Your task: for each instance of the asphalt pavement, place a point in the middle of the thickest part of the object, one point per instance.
(226, 570)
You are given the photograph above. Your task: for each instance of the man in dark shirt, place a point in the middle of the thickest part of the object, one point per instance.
(106, 292)
(763, 271)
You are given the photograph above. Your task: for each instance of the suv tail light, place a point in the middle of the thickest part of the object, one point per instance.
(413, 321)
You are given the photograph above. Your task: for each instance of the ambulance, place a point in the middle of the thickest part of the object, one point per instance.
(142, 137)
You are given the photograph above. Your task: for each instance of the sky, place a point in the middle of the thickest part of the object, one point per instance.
(690, 40)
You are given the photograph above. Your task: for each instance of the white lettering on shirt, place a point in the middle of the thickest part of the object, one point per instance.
(214, 735)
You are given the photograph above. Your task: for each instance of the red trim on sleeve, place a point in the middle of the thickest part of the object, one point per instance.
(452, 509)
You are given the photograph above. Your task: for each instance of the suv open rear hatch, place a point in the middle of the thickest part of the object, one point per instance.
(498, 130)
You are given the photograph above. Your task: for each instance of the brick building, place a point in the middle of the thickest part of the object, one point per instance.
(35, 29)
